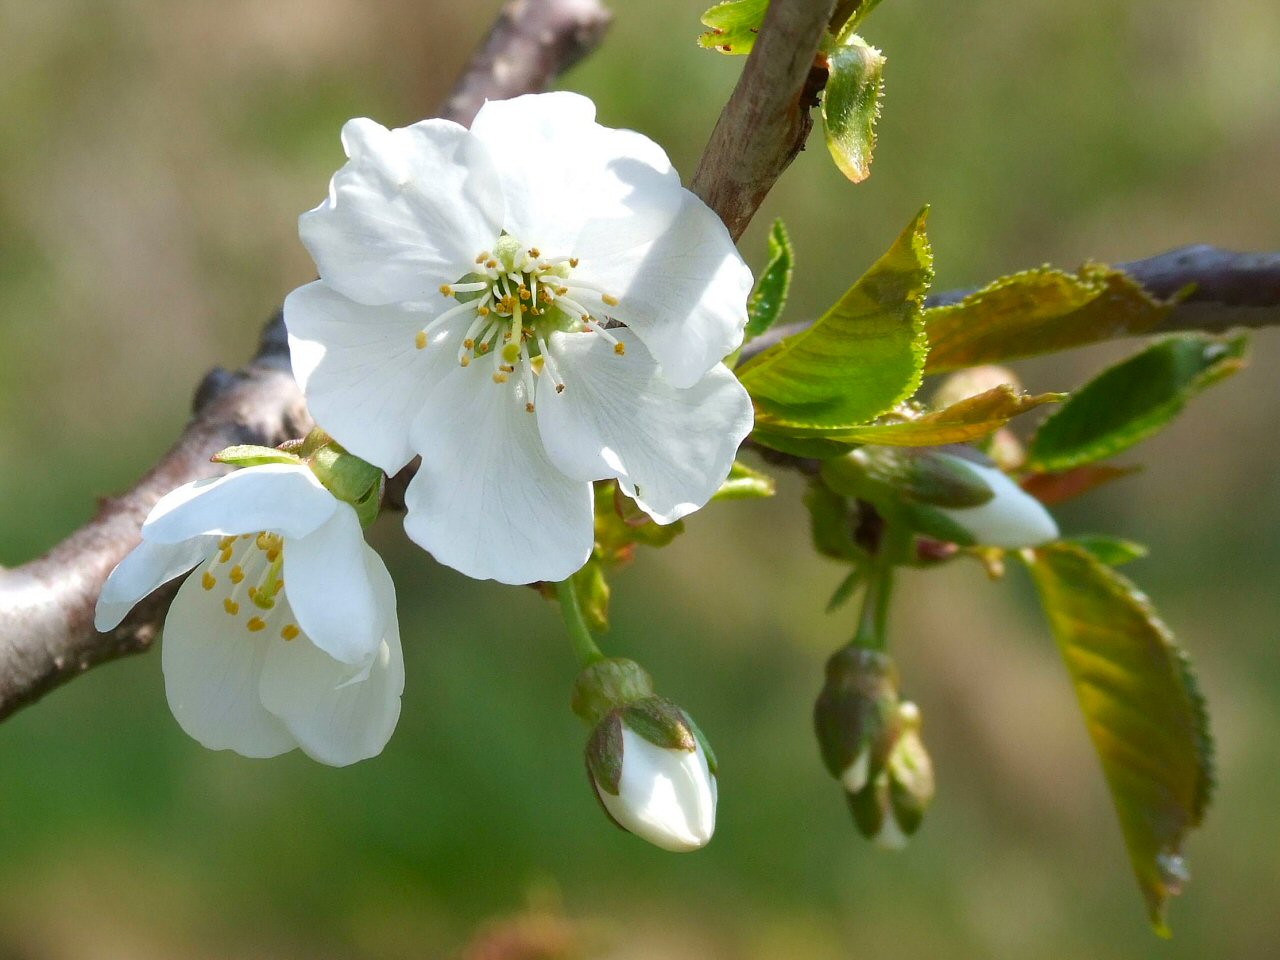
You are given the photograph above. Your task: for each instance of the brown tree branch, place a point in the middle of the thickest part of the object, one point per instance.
(766, 121)
(46, 606)
(1226, 290)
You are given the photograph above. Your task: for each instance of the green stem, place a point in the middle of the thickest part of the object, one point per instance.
(579, 634)
(874, 619)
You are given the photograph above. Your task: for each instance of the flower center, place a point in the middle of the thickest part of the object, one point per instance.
(517, 298)
(247, 570)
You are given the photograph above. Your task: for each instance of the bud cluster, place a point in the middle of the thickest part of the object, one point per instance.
(870, 742)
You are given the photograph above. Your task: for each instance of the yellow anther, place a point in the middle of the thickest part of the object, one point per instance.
(507, 368)
(561, 291)
(468, 344)
(237, 573)
(230, 606)
(278, 587)
(446, 290)
(482, 349)
(528, 408)
(273, 554)
(619, 348)
(255, 624)
(464, 361)
(225, 555)
(290, 631)
(534, 252)
(483, 311)
(482, 256)
(253, 593)
(491, 263)
(573, 261)
(208, 581)
(610, 299)
(420, 340)
(264, 541)
(559, 388)
(226, 542)
(506, 336)
(524, 293)
(499, 378)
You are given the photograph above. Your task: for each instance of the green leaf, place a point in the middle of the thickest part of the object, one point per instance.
(814, 447)
(1039, 311)
(1133, 399)
(1141, 707)
(770, 293)
(861, 357)
(252, 455)
(849, 13)
(734, 26)
(851, 105)
(1112, 551)
(743, 483)
(968, 419)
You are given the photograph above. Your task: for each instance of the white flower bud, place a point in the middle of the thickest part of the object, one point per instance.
(1011, 519)
(665, 794)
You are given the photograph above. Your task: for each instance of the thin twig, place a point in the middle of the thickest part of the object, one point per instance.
(766, 121)
(46, 606)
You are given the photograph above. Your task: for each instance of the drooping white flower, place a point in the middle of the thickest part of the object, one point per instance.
(531, 305)
(251, 665)
(664, 792)
(1011, 519)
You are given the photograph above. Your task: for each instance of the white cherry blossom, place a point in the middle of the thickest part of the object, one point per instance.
(251, 665)
(531, 304)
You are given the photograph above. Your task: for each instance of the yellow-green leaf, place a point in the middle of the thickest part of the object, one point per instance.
(1132, 400)
(734, 25)
(969, 419)
(1039, 311)
(743, 483)
(770, 293)
(851, 105)
(861, 358)
(1141, 707)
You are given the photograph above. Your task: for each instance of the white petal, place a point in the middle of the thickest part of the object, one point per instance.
(560, 168)
(667, 797)
(330, 591)
(681, 284)
(619, 417)
(486, 500)
(211, 667)
(282, 497)
(142, 570)
(1011, 519)
(409, 211)
(361, 370)
(339, 713)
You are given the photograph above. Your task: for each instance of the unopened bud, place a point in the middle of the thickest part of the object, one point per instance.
(854, 715)
(1011, 519)
(891, 807)
(655, 774)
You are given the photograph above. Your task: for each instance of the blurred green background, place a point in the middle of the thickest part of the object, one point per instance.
(153, 159)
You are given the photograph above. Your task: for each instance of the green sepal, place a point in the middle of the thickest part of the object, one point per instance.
(734, 25)
(868, 809)
(349, 479)
(832, 519)
(608, 685)
(1039, 311)
(1112, 551)
(889, 475)
(743, 483)
(251, 455)
(713, 764)
(1141, 706)
(1132, 400)
(860, 358)
(604, 754)
(770, 293)
(661, 722)
(851, 104)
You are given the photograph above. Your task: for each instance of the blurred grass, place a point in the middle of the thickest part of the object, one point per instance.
(154, 159)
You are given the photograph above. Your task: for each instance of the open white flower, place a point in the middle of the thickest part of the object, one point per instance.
(531, 304)
(253, 666)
